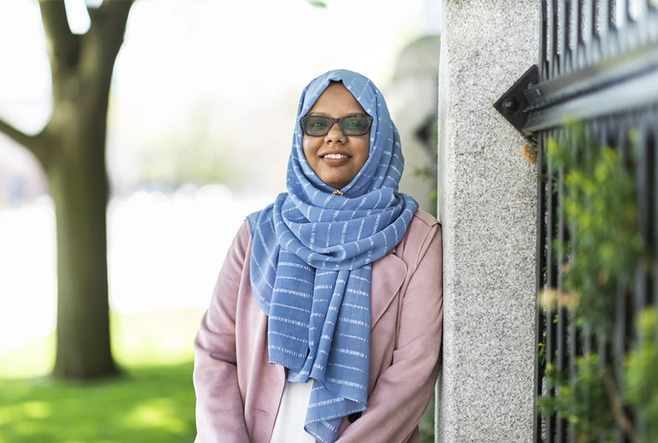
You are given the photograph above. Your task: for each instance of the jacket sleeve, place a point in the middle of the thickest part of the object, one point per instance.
(219, 407)
(403, 390)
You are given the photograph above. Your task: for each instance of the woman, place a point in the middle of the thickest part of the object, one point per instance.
(325, 323)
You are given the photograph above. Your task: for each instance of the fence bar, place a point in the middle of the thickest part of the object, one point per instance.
(651, 118)
(589, 37)
(602, 351)
(623, 304)
(555, 67)
(543, 43)
(576, 34)
(607, 26)
(628, 11)
(641, 280)
(561, 326)
(571, 347)
(619, 345)
(642, 175)
(654, 146)
(645, 193)
(563, 27)
(540, 318)
(605, 21)
(551, 281)
(562, 365)
(574, 336)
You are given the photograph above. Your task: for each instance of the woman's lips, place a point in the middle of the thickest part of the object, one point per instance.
(335, 159)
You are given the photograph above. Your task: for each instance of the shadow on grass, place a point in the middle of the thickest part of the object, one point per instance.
(148, 404)
(152, 402)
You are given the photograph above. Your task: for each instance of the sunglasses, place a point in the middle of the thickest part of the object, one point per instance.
(351, 125)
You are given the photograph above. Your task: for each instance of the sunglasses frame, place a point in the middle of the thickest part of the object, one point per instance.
(334, 121)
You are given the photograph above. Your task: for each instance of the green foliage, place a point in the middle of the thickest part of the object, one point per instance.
(602, 256)
(317, 3)
(426, 173)
(429, 173)
(171, 160)
(581, 400)
(642, 374)
(426, 425)
(606, 246)
(541, 349)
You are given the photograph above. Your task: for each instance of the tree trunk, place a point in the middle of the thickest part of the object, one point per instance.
(71, 149)
(79, 188)
(82, 69)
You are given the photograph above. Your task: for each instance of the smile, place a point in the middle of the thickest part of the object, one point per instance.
(335, 156)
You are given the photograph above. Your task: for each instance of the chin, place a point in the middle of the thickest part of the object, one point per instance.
(335, 185)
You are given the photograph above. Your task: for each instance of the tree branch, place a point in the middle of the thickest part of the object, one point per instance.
(118, 8)
(109, 28)
(618, 408)
(31, 142)
(111, 19)
(64, 46)
(16, 135)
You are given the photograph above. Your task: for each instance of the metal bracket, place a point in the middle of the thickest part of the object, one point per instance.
(512, 104)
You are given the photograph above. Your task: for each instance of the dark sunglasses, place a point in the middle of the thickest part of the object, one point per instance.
(351, 125)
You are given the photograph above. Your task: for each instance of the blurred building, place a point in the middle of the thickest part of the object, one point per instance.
(21, 177)
(412, 97)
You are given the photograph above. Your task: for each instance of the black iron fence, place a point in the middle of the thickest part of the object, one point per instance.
(598, 65)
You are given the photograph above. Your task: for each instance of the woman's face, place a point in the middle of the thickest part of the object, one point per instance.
(336, 158)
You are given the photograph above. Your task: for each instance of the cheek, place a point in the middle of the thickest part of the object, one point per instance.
(305, 147)
(309, 146)
(364, 149)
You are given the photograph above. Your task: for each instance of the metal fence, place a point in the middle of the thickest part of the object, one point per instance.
(598, 63)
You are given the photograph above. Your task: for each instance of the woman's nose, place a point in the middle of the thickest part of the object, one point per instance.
(335, 133)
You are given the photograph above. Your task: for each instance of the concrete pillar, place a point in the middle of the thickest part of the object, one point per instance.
(487, 205)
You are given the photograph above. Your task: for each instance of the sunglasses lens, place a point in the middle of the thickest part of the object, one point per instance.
(355, 125)
(316, 126)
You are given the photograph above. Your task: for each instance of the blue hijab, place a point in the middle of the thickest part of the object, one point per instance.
(311, 262)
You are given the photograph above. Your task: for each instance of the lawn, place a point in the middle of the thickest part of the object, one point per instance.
(153, 401)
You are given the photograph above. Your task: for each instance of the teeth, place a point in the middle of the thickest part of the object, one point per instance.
(335, 156)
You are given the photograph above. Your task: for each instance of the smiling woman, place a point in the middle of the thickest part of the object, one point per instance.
(334, 156)
(325, 323)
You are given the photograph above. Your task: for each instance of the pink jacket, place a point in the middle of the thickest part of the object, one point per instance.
(239, 392)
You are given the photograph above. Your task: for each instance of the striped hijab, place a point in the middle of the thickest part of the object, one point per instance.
(311, 262)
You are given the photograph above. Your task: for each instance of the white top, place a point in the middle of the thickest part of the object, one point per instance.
(289, 424)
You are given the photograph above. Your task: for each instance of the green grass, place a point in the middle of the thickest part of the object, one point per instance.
(153, 401)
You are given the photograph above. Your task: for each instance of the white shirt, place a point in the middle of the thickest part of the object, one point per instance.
(289, 424)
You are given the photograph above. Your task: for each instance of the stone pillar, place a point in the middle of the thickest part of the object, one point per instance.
(487, 206)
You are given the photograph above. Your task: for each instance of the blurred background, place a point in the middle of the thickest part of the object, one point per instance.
(201, 113)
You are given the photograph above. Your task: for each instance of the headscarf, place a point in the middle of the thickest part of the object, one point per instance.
(311, 262)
